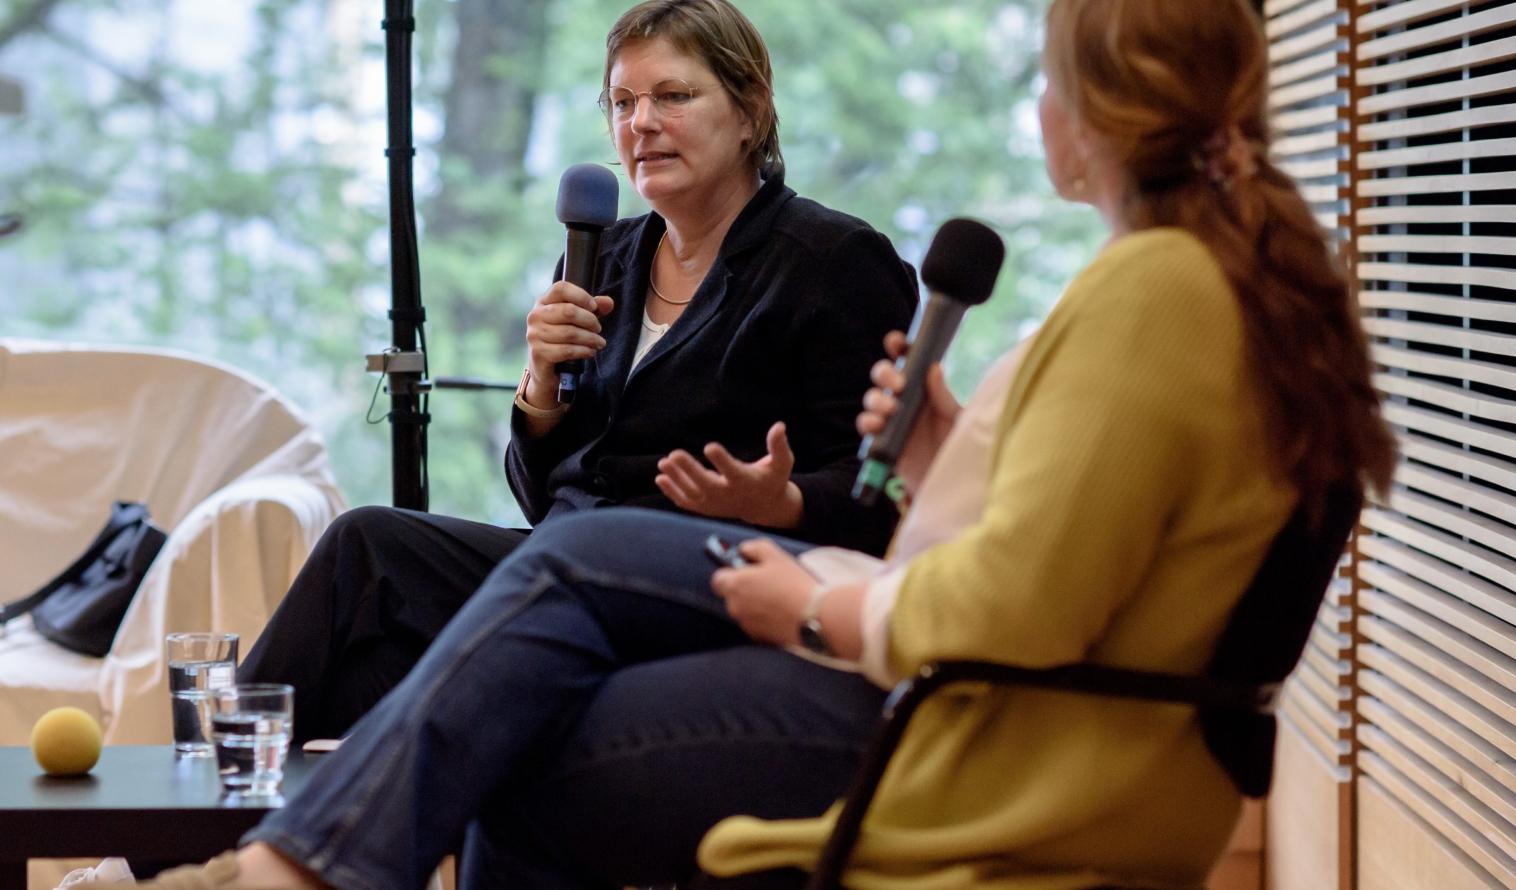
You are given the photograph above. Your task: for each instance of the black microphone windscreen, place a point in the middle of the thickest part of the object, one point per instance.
(963, 261)
(587, 196)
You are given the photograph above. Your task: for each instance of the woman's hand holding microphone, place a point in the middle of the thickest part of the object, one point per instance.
(939, 410)
(563, 326)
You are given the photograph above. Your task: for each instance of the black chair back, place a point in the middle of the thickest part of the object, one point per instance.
(1267, 633)
(1261, 644)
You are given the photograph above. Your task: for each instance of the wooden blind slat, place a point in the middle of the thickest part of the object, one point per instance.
(1336, 645)
(1328, 680)
(1431, 185)
(1431, 154)
(1486, 661)
(1437, 304)
(1315, 168)
(1450, 397)
(1431, 363)
(1329, 695)
(1392, 801)
(1335, 618)
(1327, 40)
(1418, 273)
(1307, 90)
(1485, 757)
(1474, 623)
(1491, 698)
(1305, 119)
(1314, 721)
(1437, 243)
(1435, 424)
(1431, 748)
(1453, 91)
(1497, 569)
(1438, 63)
(1447, 122)
(1310, 143)
(1322, 194)
(1404, 12)
(1308, 14)
(1457, 706)
(1275, 8)
(1473, 591)
(1309, 66)
(1332, 669)
(1463, 462)
(1465, 213)
(1430, 35)
(1480, 820)
(1466, 494)
(1496, 535)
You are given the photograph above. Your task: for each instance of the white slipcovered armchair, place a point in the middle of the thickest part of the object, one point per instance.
(228, 468)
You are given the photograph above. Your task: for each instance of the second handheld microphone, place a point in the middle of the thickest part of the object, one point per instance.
(959, 271)
(587, 196)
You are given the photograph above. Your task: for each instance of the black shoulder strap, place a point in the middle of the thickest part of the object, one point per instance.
(123, 514)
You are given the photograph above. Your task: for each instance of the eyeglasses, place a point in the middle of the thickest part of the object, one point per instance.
(671, 98)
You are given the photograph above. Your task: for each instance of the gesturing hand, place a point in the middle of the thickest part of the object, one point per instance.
(768, 596)
(758, 493)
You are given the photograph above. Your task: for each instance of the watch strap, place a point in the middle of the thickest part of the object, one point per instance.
(531, 410)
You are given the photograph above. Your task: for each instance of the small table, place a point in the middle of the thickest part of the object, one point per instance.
(138, 802)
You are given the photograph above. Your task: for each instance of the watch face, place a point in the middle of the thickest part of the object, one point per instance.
(811, 638)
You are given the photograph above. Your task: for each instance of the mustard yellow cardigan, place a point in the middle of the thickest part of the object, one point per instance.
(1131, 501)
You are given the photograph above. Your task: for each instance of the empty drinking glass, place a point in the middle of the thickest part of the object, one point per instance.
(198, 664)
(251, 724)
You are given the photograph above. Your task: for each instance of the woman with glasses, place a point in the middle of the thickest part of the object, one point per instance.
(735, 323)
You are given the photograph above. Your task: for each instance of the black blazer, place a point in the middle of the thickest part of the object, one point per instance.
(784, 327)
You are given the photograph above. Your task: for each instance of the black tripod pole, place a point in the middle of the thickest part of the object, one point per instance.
(405, 363)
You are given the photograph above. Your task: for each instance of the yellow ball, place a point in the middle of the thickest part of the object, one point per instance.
(66, 742)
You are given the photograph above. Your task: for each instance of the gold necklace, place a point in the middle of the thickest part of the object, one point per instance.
(652, 284)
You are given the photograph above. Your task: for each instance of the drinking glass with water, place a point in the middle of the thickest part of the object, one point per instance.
(198, 665)
(251, 724)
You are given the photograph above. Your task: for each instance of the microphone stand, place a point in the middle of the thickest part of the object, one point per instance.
(405, 362)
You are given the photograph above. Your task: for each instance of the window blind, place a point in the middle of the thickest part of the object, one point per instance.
(1308, 835)
(1434, 235)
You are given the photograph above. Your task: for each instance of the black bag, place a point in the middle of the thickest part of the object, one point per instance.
(82, 608)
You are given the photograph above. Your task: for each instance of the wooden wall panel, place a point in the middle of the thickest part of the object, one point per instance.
(1405, 851)
(1305, 832)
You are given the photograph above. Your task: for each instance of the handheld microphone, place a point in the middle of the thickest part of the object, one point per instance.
(586, 205)
(959, 271)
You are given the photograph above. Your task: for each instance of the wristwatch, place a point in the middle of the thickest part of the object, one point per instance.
(532, 410)
(811, 637)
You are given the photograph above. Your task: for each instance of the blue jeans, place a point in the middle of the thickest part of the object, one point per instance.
(582, 722)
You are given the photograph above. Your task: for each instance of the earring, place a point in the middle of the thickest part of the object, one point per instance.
(1079, 186)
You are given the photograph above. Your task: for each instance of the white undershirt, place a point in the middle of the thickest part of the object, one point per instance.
(650, 334)
(953, 496)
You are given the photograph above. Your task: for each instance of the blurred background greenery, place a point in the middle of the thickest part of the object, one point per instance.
(210, 177)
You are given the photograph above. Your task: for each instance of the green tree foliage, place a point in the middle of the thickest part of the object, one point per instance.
(240, 209)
